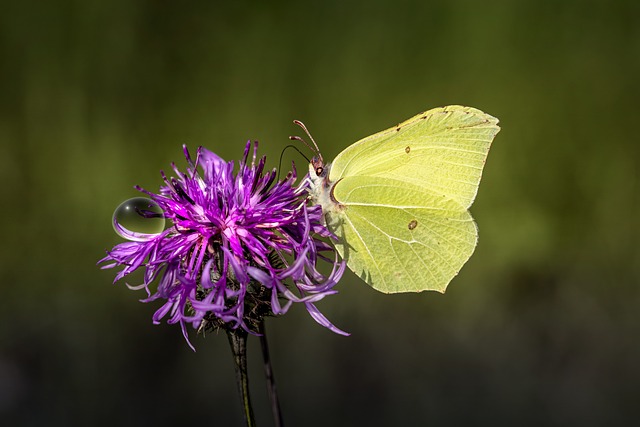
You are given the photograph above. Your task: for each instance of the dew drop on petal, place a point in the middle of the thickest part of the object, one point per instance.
(138, 219)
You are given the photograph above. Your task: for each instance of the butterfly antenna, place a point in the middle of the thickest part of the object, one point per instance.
(282, 154)
(313, 148)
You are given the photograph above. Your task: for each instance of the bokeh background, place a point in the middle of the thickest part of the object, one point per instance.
(541, 327)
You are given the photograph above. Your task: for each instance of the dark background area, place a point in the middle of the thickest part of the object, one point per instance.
(541, 327)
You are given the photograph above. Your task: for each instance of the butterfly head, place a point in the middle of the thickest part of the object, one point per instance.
(317, 168)
(319, 176)
(321, 189)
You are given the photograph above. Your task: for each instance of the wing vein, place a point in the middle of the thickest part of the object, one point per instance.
(373, 260)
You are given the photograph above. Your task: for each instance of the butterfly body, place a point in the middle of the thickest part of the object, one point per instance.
(398, 200)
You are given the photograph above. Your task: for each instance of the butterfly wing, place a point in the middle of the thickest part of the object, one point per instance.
(403, 196)
(443, 149)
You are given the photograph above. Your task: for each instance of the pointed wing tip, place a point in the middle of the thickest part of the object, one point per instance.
(455, 107)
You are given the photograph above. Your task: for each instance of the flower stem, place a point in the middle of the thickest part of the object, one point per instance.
(271, 381)
(238, 342)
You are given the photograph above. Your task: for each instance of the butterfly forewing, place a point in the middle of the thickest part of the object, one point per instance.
(443, 149)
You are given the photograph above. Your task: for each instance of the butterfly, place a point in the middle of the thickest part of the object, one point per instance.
(399, 200)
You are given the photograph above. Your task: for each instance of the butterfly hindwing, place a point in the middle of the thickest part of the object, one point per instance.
(418, 242)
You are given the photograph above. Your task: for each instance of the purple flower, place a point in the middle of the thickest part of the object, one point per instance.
(240, 247)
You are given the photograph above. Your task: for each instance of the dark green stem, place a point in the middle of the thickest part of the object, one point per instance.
(238, 342)
(271, 382)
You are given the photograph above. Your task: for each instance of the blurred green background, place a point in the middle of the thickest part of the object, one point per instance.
(540, 328)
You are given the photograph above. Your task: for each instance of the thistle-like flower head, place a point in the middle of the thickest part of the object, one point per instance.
(239, 246)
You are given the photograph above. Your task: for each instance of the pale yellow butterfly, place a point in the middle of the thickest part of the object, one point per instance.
(398, 200)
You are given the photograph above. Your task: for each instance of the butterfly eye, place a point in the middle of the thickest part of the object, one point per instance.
(319, 170)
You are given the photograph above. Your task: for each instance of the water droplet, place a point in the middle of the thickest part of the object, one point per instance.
(138, 219)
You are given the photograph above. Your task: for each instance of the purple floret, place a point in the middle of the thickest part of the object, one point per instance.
(240, 246)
